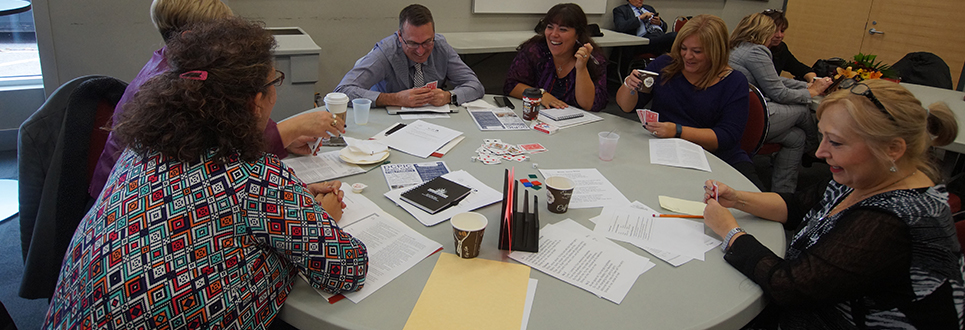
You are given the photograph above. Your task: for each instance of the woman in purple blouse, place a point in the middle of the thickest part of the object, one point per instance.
(561, 60)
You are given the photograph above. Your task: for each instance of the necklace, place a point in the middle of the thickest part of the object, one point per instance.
(863, 196)
(559, 69)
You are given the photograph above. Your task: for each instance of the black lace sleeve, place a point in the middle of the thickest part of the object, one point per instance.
(867, 250)
(802, 201)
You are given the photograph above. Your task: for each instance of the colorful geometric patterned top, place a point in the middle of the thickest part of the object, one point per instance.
(176, 245)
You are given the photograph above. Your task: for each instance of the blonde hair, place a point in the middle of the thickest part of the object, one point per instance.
(920, 128)
(170, 16)
(755, 28)
(712, 33)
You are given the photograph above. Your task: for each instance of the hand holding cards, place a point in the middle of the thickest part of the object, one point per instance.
(646, 116)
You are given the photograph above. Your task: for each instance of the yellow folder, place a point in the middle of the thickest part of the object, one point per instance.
(471, 294)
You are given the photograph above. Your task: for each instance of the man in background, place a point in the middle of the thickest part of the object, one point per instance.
(400, 69)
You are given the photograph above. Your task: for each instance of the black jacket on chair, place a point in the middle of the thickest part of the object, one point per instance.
(55, 169)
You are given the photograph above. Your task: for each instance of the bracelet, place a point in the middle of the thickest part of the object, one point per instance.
(730, 235)
(680, 130)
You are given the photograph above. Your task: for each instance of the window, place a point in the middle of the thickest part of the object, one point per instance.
(19, 56)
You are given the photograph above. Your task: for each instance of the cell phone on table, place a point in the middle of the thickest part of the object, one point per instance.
(503, 102)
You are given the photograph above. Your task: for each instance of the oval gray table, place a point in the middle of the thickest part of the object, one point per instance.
(706, 294)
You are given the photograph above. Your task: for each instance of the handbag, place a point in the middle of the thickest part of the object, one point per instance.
(828, 67)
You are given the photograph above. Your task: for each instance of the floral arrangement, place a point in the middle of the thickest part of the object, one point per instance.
(864, 67)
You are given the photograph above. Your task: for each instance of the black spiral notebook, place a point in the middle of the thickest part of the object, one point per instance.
(436, 195)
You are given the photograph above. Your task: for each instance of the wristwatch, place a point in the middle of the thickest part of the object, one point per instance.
(730, 235)
(452, 98)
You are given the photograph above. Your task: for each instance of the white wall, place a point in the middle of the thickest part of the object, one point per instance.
(116, 37)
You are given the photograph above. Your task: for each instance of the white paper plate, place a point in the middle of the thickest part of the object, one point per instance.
(343, 154)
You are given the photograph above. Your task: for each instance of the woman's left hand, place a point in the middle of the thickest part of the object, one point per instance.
(583, 55)
(551, 101)
(719, 218)
(662, 130)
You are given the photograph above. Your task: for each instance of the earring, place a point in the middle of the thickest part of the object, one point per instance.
(894, 167)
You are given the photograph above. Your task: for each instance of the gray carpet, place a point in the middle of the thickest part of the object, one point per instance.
(27, 314)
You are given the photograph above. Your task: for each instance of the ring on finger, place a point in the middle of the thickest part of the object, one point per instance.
(335, 122)
(654, 133)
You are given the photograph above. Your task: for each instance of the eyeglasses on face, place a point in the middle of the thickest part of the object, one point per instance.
(863, 90)
(413, 45)
(277, 81)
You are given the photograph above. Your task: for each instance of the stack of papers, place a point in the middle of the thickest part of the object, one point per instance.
(392, 246)
(420, 138)
(592, 188)
(574, 254)
(481, 195)
(679, 153)
(321, 167)
(674, 240)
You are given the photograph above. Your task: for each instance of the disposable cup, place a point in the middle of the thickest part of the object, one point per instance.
(558, 192)
(467, 232)
(360, 110)
(608, 145)
(337, 104)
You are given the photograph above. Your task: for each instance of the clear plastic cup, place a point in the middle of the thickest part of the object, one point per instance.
(360, 110)
(608, 145)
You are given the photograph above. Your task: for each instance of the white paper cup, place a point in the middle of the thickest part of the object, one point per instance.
(337, 104)
(467, 232)
(360, 110)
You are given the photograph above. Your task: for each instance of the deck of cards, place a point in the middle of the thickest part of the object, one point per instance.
(647, 116)
(432, 84)
(494, 151)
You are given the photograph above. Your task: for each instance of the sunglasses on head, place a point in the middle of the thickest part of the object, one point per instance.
(863, 90)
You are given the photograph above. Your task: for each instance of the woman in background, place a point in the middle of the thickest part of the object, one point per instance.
(562, 60)
(699, 98)
(790, 121)
(782, 57)
(199, 227)
(170, 17)
(877, 248)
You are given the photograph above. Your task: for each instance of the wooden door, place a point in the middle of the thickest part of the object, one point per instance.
(820, 29)
(935, 26)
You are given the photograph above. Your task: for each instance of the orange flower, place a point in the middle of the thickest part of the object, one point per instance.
(875, 75)
(847, 73)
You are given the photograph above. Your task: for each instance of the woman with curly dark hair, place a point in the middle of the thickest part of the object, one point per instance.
(197, 225)
(562, 60)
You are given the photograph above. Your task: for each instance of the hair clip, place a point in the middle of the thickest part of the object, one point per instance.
(195, 75)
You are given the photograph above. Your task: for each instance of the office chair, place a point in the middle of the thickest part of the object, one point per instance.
(58, 147)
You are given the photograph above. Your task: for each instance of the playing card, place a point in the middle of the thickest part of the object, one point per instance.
(318, 142)
(532, 147)
(716, 195)
(520, 158)
(642, 116)
(488, 141)
(489, 159)
(650, 116)
(432, 84)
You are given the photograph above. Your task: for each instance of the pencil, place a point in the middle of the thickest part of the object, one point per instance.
(678, 216)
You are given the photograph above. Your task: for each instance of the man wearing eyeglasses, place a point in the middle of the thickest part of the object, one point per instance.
(395, 72)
